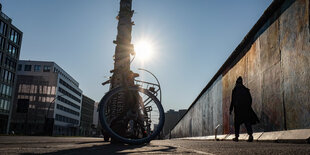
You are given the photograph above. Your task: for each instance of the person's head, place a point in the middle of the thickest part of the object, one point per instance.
(239, 80)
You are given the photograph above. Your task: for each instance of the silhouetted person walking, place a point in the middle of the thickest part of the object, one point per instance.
(241, 102)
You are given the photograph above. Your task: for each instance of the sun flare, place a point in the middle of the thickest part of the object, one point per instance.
(144, 50)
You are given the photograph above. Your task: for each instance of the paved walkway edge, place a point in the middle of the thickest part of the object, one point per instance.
(288, 136)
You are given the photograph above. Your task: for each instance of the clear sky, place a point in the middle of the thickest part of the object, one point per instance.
(191, 39)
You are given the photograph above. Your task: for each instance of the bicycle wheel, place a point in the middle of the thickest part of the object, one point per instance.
(139, 119)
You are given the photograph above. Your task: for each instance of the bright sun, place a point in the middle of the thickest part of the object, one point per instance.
(144, 50)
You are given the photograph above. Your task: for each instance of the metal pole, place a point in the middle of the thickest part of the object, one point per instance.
(48, 110)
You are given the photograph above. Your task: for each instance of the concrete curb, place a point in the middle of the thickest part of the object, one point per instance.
(289, 136)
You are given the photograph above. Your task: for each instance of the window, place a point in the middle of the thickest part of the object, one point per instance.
(33, 89)
(14, 36)
(10, 63)
(59, 98)
(66, 119)
(1, 104)
(1, 57)
(65, 109)
(1, 90)
(69, 87)
(49, 90)
(10, 76)
(44, 89)
(27, 68)
(2, 43)
(19, 68)
(12, 50)
(69, 94)
(37, 68)
(5, 75)
(3, 27)
(53, 90)
(7, 105)
(46, 68)
(6, 90)
(4, 105)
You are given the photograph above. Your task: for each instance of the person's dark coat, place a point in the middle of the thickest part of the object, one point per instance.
(241, 103)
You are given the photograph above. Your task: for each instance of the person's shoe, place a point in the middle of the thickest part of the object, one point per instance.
(250, 138)
(236, 139)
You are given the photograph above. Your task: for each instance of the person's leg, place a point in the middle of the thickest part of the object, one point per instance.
(237, 128)
(249, 130)
(248, 127)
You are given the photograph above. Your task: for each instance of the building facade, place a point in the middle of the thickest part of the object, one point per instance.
(10, 44)
(96, 127)
(87, 113)
(47, 100)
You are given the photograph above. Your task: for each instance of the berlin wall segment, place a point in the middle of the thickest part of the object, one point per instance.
(274, 61)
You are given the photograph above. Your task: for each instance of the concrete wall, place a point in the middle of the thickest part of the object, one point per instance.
(295, 53)
(204, 115)
(275, 66)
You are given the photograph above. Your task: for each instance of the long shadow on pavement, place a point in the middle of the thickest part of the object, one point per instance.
(113, 149)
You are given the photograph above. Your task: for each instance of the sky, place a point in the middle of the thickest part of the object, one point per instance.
(191, 39)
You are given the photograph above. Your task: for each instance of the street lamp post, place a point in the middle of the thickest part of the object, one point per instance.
(49, 107)
(49, 121)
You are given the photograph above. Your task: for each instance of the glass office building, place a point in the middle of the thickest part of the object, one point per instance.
(47, 100)
(10, 44)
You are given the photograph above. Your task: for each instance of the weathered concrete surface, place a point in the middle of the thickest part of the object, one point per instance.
(275, 66)
(272, 103)
(271, 136)
(204, 116)
(295, 53)
(212, 111)
(254, 77)
(272, 111)
(196, 120)
(183, 129)
(295, 135)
